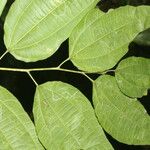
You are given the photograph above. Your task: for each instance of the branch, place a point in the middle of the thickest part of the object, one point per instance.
(44, 69)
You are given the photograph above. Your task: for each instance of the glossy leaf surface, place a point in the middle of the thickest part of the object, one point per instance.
(17, 131)
(65, 119)
(122, 117)
(34, 29)
(101, 39)
(133, 76)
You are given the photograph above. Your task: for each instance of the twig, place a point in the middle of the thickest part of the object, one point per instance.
(1, 57)
(32, 78)
(63, 62)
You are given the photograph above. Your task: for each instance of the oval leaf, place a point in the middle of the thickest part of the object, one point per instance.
(17, 131)
(34, 29)
(133, 76)
(101, 39)
(65, 119)
(2, 5)
(122, 117)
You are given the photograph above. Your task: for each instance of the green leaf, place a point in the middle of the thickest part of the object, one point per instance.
(101, 39)
(34, 29)
(65, 119)
(17, 131)
(122, 117)
(133, 76)
(2, 5)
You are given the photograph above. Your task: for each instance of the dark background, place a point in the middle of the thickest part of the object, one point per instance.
(23, 87)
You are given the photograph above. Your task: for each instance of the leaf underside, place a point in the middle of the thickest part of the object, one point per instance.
(65, 119)
(34, 29)
(101, 39)
(17, 131)
(133, 76)
(122, 117)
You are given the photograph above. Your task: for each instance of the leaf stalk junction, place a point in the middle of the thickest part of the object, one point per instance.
(58, 68)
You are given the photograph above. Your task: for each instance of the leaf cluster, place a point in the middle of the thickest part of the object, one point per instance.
(64, 119)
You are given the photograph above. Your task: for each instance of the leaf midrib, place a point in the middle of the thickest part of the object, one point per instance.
(84, 48)
(77, 38)
(132, 83)
(15, 25)
(58, 118)
(78, 112)
(37, 42)
(108, 53)
(124, 115)
(122, 112)
(32, 28)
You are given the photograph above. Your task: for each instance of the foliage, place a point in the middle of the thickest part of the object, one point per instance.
(123, 116)
(64, 119)
(16, 129)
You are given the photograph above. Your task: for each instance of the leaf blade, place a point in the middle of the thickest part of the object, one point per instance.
(2, 5)
(101, 39)
(133, 76)
(35, 29)
(62, 114)
(122, 117)
(17, 130)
